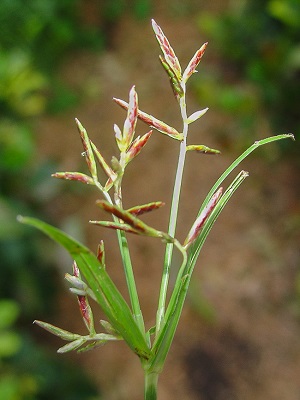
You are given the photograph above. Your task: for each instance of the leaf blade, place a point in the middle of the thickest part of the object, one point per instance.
(107, 295)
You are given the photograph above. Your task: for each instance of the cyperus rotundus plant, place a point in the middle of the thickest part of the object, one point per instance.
(91, 278)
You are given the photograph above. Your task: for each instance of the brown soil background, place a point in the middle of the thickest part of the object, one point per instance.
(239, 333)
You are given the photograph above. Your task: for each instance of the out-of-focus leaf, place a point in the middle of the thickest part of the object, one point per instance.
(16, 144)
(9, 312)
(10, 343)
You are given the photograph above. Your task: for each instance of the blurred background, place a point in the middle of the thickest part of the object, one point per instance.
(239, 333)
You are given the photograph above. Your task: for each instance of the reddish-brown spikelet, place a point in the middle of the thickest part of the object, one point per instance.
(198, 224)
(130, 122)
(191, 68)
(139, 210)
(116, 226)
(84, 306)
(137, 146)
(74, 176)
(84, 309)
(76, 271)
(101, 253)
(121, 214)
(167, 50)
(153, 122)
(89, 156)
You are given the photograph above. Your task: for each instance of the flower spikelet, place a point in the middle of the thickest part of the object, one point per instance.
(130, 122)
(167, 50)
(137, 146)
(153, 122)
(191, 68)
(198, 224)
(89, 156)
(74, 176)
(84, 306)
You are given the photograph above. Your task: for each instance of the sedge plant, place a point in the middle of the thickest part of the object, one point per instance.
(90, 278)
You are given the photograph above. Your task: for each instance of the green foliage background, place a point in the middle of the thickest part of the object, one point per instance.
(260, 65)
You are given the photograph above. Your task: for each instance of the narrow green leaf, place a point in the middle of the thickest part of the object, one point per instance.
(236, 162)
(107, 295)
(164, 339)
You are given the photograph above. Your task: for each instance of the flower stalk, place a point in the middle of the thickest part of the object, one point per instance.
(173, 217)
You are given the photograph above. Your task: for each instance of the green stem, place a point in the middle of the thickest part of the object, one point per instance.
(151, 379)
(129, 275)
(134, 298)
(127, 264)
(173, 218)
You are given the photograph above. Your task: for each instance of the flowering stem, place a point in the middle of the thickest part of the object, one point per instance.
(129, 275)
(173, 217)
(128, 269)
(134, 299)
